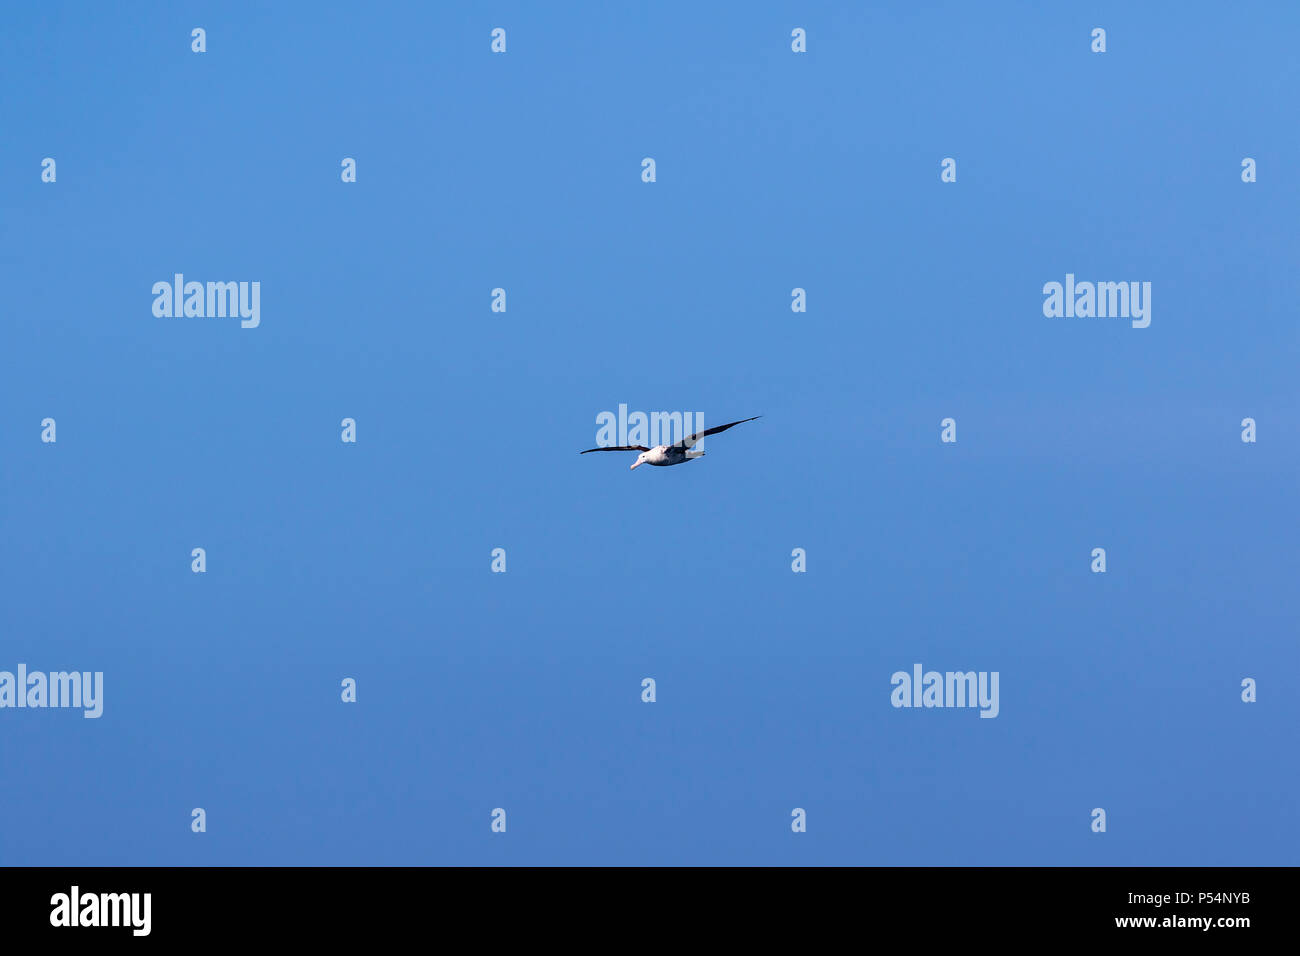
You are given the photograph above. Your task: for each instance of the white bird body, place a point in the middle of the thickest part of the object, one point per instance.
(664, 455)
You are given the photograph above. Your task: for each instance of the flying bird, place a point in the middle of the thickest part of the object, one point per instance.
(673, 454)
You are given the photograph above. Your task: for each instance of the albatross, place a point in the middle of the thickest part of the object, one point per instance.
(674, 454)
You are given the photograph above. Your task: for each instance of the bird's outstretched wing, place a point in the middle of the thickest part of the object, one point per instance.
(690, 440)
(617, 448)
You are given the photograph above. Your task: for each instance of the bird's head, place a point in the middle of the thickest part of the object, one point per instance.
(640, 459)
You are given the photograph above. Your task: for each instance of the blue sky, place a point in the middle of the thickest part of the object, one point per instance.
(521, 690)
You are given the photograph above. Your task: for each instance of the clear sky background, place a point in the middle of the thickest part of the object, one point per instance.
(522, 690)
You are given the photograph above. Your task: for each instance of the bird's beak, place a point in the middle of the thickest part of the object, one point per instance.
(635, 463)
